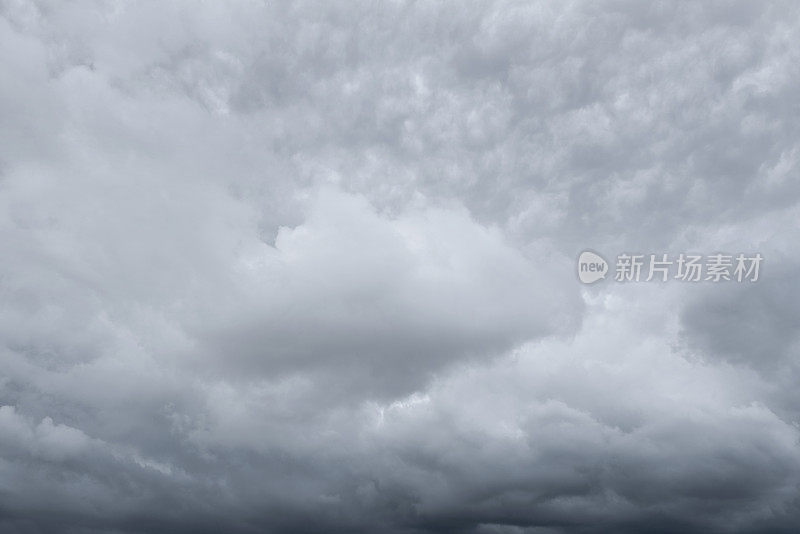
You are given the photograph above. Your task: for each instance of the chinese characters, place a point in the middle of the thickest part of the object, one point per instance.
(688, 267)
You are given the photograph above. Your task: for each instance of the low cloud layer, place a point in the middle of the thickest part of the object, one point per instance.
(300, 267)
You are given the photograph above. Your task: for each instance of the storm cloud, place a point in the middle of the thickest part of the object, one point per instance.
(310, 267)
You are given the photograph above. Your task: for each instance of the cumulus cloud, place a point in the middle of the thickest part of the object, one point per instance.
(378, 303)
(308, 267)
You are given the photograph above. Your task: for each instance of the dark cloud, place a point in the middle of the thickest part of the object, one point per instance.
(756, 325)
(309, 267)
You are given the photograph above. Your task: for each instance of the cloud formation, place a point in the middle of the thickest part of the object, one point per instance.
(300, 267)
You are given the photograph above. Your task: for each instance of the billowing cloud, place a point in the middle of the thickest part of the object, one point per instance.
(308, 267)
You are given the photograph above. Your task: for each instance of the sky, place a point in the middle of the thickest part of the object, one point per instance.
(297, 267)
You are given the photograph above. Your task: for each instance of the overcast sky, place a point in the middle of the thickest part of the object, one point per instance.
(311, 267)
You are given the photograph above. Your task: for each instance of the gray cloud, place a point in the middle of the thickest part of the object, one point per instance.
(308, 267)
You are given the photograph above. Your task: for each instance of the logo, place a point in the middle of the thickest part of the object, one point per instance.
(716, 267)
(591, 267)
